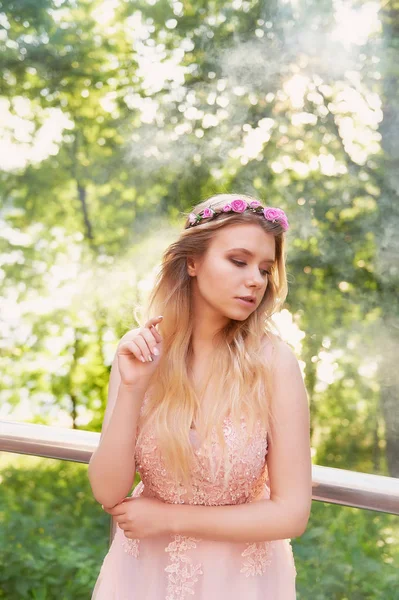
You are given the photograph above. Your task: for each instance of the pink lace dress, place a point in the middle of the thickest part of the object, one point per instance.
(177, 567)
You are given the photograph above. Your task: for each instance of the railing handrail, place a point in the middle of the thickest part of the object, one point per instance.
(336, 486)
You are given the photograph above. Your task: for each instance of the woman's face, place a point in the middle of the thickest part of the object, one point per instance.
(236, 264)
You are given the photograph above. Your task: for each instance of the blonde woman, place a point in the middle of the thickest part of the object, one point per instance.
(208, 405)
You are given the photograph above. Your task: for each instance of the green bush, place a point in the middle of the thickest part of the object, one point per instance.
(348, 554)
(53, 534)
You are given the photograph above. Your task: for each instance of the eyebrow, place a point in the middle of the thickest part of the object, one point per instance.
(249, 253)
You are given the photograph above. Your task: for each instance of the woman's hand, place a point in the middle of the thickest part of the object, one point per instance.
(141, 517)
(139, 353)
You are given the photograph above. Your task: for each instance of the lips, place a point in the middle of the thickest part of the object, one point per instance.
(247, 298)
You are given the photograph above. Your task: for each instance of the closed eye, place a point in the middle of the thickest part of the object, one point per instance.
(242, 264)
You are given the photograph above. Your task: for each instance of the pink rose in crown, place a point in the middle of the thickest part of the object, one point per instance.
(207, 212)
(226, 208)
(192, 217)
(284, 223)
(272, 214)
(255, 204)
(238, 205)
(276, 214)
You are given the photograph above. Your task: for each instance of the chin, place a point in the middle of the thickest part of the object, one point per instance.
(239, 315)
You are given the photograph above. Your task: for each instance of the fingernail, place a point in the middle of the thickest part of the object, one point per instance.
(102, 506)
(155, 351)
(160, 317)
(150, 359)
(142, 358)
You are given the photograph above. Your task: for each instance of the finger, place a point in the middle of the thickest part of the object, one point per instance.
(130, 534)
(123, 524)
(154, 321)
(145, 350)
(156, 334)
(117, 511)
(107, 509)
(151, 341)
(132, 348)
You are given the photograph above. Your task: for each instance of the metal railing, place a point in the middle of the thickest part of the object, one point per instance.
(336, 486)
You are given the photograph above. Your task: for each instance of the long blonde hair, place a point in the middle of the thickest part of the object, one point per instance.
(242, 385)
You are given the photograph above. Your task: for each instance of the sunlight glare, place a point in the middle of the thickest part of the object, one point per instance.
(32, 147)
(354, 26)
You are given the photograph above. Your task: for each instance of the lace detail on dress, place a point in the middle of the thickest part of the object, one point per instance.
(131, 547)
(182, 573)
(258, 557)
(246, 479)
(151, 467)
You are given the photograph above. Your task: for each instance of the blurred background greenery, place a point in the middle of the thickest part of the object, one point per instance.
(116, 116)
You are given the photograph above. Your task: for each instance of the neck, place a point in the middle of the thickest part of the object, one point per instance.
(207, 322)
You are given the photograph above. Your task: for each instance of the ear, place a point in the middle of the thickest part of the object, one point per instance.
(191, 267)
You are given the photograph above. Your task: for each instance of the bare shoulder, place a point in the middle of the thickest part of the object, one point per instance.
(279, 355)
(284, 356)
(273, 344)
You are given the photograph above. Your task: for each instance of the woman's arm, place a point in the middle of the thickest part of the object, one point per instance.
(286, 513)
(112, 466)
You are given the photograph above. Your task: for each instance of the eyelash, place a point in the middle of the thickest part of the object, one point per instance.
(240, 264)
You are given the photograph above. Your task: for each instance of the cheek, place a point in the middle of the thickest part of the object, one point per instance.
(218, 276)
(227, 276)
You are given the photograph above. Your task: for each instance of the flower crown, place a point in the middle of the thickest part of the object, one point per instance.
(276, 215)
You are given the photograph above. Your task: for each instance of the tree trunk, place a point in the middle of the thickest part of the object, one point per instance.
(82, 198)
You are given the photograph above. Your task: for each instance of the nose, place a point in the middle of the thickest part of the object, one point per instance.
(256, 280)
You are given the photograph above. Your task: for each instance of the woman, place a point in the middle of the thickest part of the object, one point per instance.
(209, 406)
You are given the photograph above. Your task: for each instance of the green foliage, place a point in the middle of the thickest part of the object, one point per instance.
(347, 554)
(51, 530)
